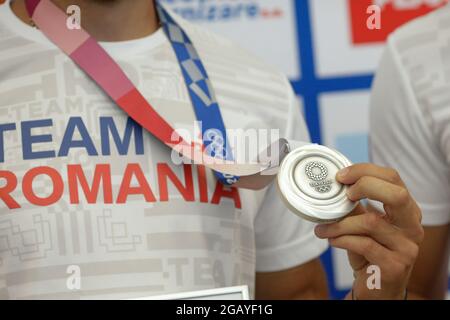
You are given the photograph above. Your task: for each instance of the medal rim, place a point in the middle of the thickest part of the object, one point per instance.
(315, 210)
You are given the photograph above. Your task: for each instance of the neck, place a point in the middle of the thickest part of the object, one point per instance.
(107, 20)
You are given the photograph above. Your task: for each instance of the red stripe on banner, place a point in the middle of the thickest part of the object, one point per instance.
(391, 17)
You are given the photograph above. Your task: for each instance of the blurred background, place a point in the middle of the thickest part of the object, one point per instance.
(328, 53)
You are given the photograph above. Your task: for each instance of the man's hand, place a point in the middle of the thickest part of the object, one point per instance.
(389, 241)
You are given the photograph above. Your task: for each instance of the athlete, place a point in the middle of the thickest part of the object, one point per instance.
(410, 130)
(92, 205)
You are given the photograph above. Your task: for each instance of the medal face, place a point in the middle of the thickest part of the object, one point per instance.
(307, 183)
(315, 177)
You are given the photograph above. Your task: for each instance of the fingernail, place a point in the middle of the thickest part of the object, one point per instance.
(343, 172)
(320, 229)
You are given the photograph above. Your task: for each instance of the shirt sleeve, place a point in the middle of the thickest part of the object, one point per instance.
(401, 138)
(284, 240)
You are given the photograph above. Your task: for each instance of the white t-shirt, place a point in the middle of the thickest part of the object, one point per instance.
(143, 226)
(410, 112)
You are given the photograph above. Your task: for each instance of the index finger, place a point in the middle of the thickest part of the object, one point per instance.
(355, 172)
(398, 203)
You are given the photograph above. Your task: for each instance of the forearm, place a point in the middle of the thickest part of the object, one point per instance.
(380, 296)
(415, 296)
(317, 292)
(305, 282)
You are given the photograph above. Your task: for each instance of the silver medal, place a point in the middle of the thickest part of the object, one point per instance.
(307, 183)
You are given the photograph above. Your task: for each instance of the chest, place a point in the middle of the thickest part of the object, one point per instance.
(63, 139)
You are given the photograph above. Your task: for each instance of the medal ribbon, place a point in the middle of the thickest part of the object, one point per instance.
(95, 61)
(86, 52)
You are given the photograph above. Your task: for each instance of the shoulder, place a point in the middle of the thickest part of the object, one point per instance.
(420, 51)
(424, 42)
(238, 74)
(209, 43)
(436, 22)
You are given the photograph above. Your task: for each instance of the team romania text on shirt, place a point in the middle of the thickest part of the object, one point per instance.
(83, 186)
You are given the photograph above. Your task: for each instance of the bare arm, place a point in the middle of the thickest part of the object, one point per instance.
(430, 273)
(304, 282)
